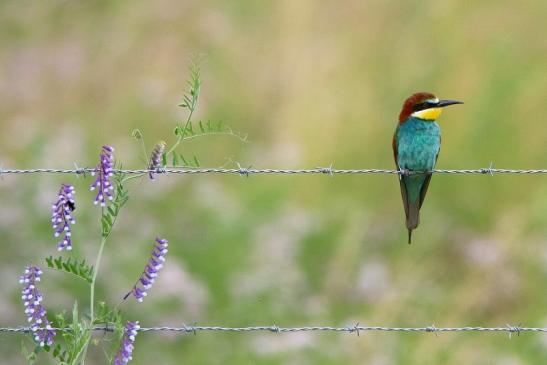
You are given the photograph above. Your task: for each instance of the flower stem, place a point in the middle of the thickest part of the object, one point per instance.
(92, 297)
(94, 279)
(191, 109)
(180, 137)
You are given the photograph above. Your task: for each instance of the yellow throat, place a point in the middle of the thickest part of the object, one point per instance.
(428, 114)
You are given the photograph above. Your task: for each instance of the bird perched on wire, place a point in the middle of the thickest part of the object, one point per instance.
(416, 146)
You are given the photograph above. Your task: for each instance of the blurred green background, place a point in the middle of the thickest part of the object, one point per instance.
(312, 83)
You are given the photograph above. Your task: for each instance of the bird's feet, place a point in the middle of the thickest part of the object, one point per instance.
(404, 172)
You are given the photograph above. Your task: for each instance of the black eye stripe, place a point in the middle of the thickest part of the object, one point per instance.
(424, 105)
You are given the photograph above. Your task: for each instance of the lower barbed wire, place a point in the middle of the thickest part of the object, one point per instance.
(276, 329)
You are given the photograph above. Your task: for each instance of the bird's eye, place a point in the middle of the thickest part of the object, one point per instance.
(425, 105)
(421, 106)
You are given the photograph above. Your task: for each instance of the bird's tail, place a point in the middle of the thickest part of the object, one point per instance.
(412, 219)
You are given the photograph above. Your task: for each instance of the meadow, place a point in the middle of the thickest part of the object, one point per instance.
(311, 84)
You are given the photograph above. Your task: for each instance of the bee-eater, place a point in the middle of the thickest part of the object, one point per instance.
(416, 146)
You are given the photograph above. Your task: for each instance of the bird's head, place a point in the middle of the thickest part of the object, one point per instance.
(424, 106)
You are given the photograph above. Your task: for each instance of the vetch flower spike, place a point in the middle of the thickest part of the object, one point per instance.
(104, 171)
(155, 158)
(148, 276)
(36, 313)
(61, 216)
(128, 343)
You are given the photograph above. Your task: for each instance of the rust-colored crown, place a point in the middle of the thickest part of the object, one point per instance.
(408, 106)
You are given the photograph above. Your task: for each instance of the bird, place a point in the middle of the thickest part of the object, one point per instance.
(416, 145)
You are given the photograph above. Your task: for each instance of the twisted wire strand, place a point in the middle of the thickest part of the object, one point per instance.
(275, 329)
(251, 171)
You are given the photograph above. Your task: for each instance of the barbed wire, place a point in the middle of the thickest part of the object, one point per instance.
(509, 329)
(318, 170)
(246, 171)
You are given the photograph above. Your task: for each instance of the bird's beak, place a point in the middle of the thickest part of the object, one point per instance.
(443, 103)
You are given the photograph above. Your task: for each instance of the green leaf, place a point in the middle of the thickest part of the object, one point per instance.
(108, 219)
(190, 128)
(137, 134)
(59, 262)
(120, 198)
(60, 354)
(59, 320)
(184, 162)
(219, 126)
(78, 268)
(175, 159)
(29, 355)
(110, 316)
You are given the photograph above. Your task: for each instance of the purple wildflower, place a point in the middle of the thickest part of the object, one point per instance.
(35, 311)
(155, 158)
(128, 343)
(61, 217)
(148, 276)
(104, 170)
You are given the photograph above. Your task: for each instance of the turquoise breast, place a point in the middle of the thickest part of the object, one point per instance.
(418, 143)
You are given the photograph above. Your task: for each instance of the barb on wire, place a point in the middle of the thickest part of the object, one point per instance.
(489, 169)
(276, 329)
(243, 171)
(514, 329)
(327, 170)
(251, 171)
(80, 170)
